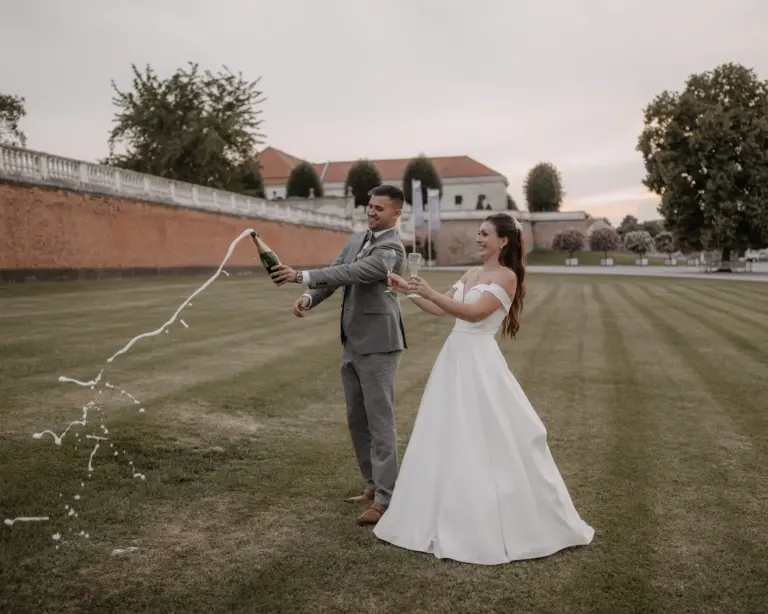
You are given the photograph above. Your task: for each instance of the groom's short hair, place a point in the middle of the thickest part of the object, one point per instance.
(390, 191)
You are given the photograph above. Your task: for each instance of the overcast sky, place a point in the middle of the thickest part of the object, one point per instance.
(508, 82)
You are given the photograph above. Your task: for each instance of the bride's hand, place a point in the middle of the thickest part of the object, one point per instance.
(416, 285)
(397, 283)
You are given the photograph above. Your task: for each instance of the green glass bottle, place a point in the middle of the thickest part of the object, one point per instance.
(268, 258)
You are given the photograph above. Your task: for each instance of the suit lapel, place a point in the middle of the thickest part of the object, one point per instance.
(359, 250)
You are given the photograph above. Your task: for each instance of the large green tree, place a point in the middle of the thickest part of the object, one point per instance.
(303, 181)
(653, 227)
(12, 110)
(422, 169)
(194, 126)
(706, 154)
(628, 224)
(362, 177)
(543, 188)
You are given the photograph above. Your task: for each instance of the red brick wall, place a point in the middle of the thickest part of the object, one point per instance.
(45, 228)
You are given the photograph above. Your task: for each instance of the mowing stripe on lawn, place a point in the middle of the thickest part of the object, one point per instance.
(746, 404)
(696, 506)
(723, 306)
(744, 344)
(627, 522)
(756, 306)
(715, 554)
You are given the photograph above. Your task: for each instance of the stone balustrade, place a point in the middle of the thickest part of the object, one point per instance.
(36, 168)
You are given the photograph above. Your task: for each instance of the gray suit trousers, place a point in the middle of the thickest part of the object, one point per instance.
(369, 390)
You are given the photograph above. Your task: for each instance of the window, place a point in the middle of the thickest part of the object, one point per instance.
(458, 200)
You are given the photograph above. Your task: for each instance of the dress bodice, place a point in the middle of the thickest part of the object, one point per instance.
(491, 324)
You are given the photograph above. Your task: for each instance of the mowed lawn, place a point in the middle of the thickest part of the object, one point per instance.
(654, 392)
(553, 258)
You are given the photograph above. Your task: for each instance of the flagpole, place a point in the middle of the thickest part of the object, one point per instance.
(429, 236)
(416, 197)
(433, 219)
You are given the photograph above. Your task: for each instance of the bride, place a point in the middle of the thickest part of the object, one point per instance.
(478, 483)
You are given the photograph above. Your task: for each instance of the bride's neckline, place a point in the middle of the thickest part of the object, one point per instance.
(466, 290)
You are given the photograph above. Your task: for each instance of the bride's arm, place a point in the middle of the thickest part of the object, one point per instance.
(469, 312)
(429, 306)
(401, 285)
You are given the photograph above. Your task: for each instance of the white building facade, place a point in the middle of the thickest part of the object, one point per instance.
(468, 185)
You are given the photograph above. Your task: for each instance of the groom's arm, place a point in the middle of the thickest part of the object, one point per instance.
(318, 295)
(366, 270)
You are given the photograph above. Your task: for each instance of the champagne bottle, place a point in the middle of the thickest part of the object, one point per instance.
(268, 258)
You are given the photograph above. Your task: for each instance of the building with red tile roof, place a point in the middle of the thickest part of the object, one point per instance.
(467, 183)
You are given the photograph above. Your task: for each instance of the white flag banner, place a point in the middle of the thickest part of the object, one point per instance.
(433, 208)
(417, 201)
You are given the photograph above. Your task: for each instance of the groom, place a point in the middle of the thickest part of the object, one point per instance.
(373, 338)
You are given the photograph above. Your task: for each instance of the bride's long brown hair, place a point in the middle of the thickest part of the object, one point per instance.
(512, 256)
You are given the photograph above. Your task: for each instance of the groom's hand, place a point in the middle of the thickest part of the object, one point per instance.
(282, 273)
(397, 283)
(300, 306)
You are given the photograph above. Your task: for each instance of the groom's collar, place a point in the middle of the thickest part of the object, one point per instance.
(378, 233)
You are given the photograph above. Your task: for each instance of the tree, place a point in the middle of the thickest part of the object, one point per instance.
(302, 181)
(665, 242)
(638, 242)
(193, 126)
(511, 204)
(12, 110)
(543, 188)
(362, 177)
(247, 179)
(569, 240)
(605, 240)
(705, 152)
(422, 169)
(628, 224)
(654, 227)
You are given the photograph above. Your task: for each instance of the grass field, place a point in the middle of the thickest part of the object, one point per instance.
(551, 258)
(653, 391)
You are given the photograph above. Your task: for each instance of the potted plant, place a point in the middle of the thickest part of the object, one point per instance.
(605, 240)
(639, 242)
(569, 240)
(665, 243)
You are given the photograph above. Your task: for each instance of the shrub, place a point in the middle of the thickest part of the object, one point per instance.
(543, 187)
(569, 240)
(362, 177)
(302, 179)
(605, 240)
(423, 169)
(638, 242)
(665, 242)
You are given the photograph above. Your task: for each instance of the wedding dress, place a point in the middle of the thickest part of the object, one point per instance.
(478, 483)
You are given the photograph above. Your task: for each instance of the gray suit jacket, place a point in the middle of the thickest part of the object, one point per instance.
(371, 321)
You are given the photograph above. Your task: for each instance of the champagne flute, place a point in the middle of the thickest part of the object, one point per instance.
(390, 259)
(414, 264)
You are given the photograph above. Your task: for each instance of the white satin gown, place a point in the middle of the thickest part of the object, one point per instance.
(478, 483)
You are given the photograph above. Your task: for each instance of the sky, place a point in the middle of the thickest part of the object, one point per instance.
(507, 82)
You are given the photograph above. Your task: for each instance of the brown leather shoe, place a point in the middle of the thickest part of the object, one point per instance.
(373, 514)
(366, 496)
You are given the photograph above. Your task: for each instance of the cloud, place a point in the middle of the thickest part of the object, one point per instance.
(508, 82)
(615, 204)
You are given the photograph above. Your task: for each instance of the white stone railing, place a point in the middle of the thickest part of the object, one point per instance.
(523, 216)
(37, 168)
